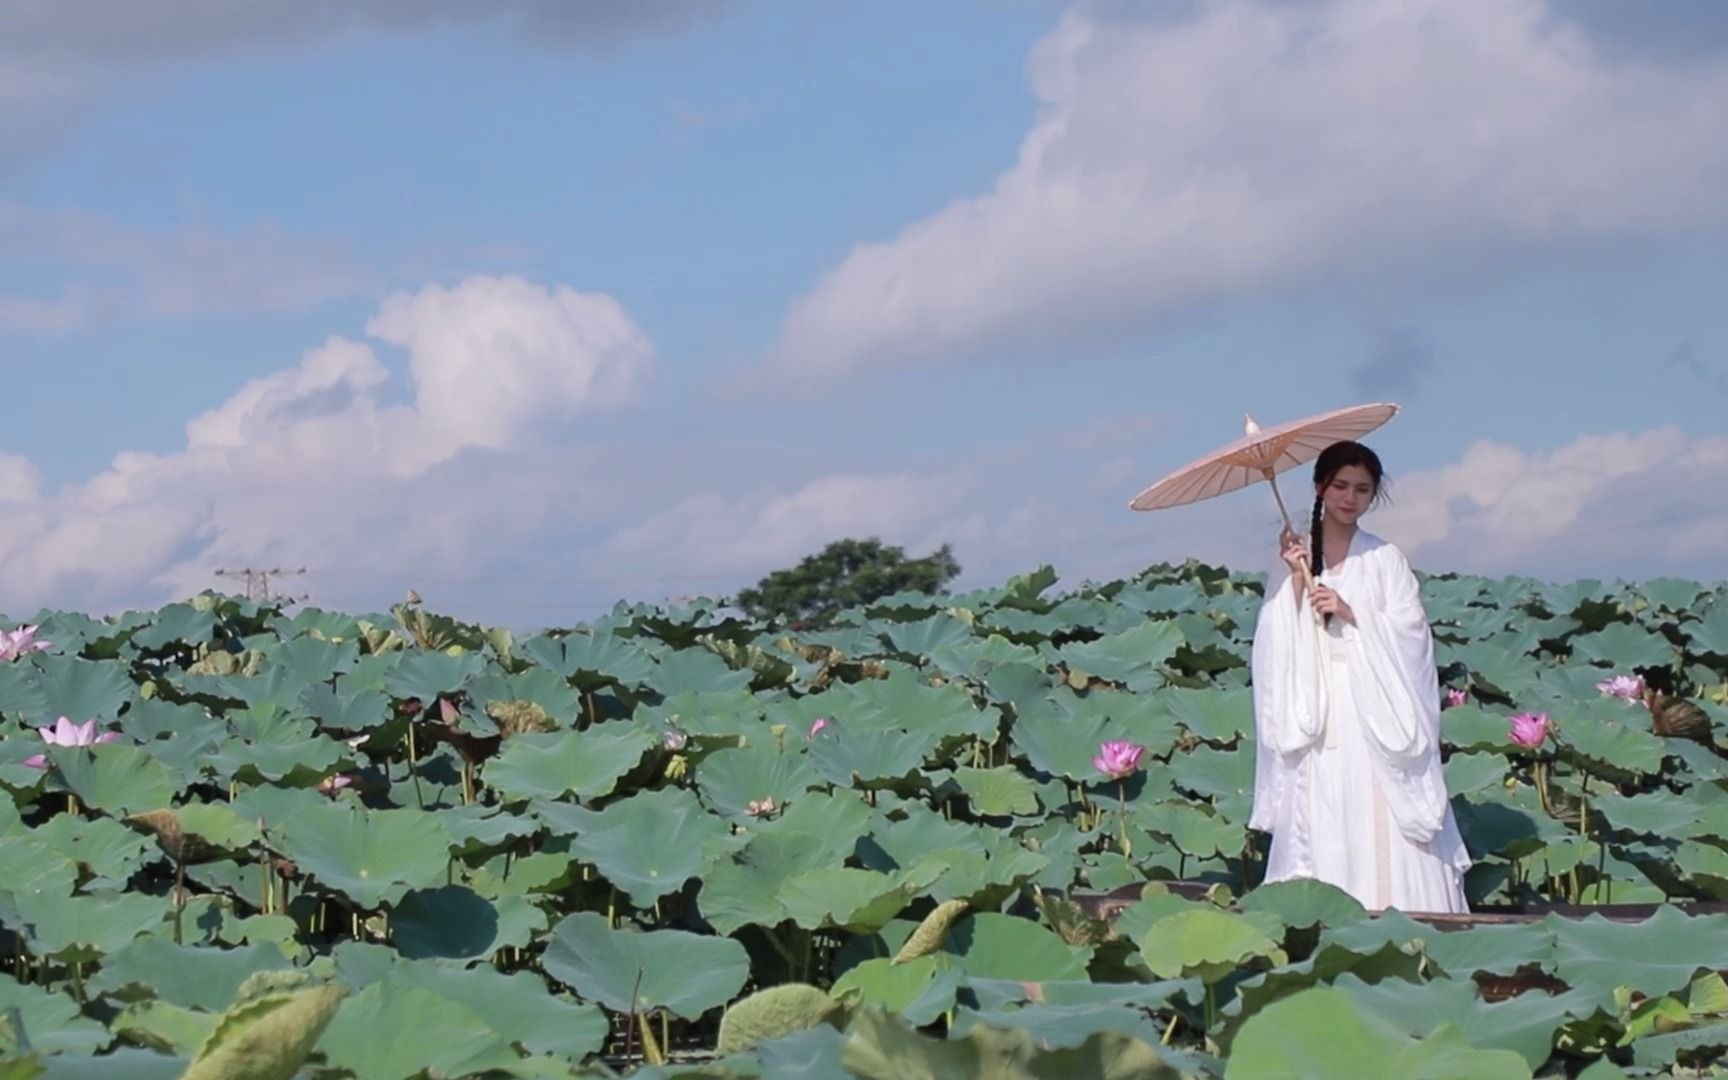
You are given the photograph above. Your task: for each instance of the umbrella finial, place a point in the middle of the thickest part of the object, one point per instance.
(1249, 427)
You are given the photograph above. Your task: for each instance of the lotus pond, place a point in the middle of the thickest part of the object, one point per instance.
(674, 843)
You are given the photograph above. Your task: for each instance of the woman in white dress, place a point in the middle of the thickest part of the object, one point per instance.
(1347, 714)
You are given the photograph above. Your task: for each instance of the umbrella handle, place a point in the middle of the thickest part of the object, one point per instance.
(1307, 572)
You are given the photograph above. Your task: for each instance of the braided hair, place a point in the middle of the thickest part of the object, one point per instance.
(1338, 456)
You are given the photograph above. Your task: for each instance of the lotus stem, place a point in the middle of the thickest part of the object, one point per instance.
(1122, 817)
(1540, 772)
(612, 909)
(179, 898)
(1170, 1031)
(651, 1051)
(588, 700)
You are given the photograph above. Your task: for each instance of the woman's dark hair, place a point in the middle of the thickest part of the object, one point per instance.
(1335, 457)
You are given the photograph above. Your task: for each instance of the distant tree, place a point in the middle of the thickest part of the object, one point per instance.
(842, 575)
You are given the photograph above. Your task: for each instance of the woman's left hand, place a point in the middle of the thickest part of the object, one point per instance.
(1328, 602)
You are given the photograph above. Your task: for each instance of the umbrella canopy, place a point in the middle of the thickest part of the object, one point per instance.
(1261, 454)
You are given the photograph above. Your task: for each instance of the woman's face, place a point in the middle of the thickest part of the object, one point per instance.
(1348, 494)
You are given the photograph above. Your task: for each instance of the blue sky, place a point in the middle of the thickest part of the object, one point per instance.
(530, 312)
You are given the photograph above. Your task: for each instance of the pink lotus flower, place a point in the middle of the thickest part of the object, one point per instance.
(66, 733)
(761, 807)
(673, 739)
(1456, 697)
(330, 785)
(1529, 730)
(1118, 759)
(15, 643)
(1627, 687)
(821, 722)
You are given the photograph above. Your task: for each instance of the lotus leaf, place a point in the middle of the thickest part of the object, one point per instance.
(916, 639)
(687, 974)
(989, 945)
(1207, 943)
(519, 1007)
(1623, 645)
(53, 1022)
(1525, 1025)
(862, 901)
(1708, 636)
(30, 866)
(998, 792)
(393, 1030)
(651, 843)
(1306, 903)
(1657, 1051)
(82, 689)
(423, 675)
(732, 779)
(587, 763)
(1279, 1041)
(172, 1029)
(81, 928)
(1217, 716)
(368, 855)
(866, 757)
(882, 982)
(881, 1047)
(186, 976)
(1133, 658)
(345, 709)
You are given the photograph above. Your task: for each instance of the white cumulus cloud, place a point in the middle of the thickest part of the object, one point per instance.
(1258, 143)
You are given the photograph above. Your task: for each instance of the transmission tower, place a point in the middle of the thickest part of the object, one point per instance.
(258, 583)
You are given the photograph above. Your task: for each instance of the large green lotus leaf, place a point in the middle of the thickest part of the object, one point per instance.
(917, 639)
(1708, 636)
(1658, 956)
(192, 977)
(1280, 1041)
(1493, 827)
(393, 1031)
(82, 690)
(80, 928)
(1214, 715)
(880, 981)
(838, 818)
(277, 749)
(1706, 865)
(1306, 903)
(519, 1007)
(1063, 1027)
(450, 922)
(1469, 774)
(732, 779)
(426, 675)
(993, 946)
(1525, 1025)
(318, 623)
(1209, 944)
(1470, 727)
(905, 701)
(170, 1028)
(1061, 745)
(977, 659)
(983, 876)
(746, 888)
(586, 763)
(687, 974)
(729, 715)
(592, 660)
(1018, 684)
(1000, 792)
(1623, 645)
(30, 865)
(849, 757)
(651, 843)
(1661, 813)
(1190, 828)
(884, 1047)
(478, 828)
(313, 661)
(176, 625)
(548, 689)
(368, 855)
(345, 709)
(1496, 950)
(862, 901)
(53, 1022)
(1134, 658)
(1672, 594)
(277, 806)
(695, 670)
(1224, 776)
(21, 694)
(149, 721)
(113, 777)
(102, 846)
(1663, 1051)
(1604, 731)
(1493, 665)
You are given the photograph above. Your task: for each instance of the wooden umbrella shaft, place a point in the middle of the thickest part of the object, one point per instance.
(1272, 478)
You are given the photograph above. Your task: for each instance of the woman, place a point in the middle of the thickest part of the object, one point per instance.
(1347, 710)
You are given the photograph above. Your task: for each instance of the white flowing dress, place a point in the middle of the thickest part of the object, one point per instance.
(1347, 774)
